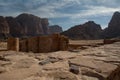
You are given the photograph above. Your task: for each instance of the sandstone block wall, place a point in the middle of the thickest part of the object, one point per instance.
(23, 45)
(44, 44)
(13, 44)
(33, 44)
(64, 43)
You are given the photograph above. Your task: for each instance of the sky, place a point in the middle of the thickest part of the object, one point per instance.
(65, 13)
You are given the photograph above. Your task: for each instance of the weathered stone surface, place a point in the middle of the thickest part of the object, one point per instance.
(24, 25)
(15, 28)
(115, 75)
(44, 44)
(4, 28)
(45, 23)
(33, 44)
(13, 44)
(95, 63)
(30, 23)
(23, 45)
(89, 30)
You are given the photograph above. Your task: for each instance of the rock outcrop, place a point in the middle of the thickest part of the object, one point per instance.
(4, 28)
(15, 27)
(113, 29)
(55, 29)
(23, 25)
(31, 24)
(89, 30)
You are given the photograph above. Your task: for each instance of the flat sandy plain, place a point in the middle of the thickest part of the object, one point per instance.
(94, 62)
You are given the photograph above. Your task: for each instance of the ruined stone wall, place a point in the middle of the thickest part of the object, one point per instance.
(44, 44)
(13, 44)
(23, 45)
(33, 44)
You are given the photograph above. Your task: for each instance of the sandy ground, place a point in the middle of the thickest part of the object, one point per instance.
(94, 63)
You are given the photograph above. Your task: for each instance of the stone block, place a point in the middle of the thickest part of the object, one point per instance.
(13, 44)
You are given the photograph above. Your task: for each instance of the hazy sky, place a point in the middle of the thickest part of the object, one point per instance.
(65, 13)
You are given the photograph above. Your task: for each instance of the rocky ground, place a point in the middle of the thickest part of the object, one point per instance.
(94, 63)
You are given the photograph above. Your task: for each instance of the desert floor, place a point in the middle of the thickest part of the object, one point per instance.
(95, 62)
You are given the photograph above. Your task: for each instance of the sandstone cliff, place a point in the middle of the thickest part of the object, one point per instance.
(89, 30)
(113, 29)
(31, 24)
(55, 29)
(23, 25)
(4, 28)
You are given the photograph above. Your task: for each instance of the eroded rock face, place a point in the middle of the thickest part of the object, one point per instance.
(113, 29)
(15, 28)
(55, 29)
(23, 25)
(4, 28)
(31, 24)
(89, 30)
(45, 24)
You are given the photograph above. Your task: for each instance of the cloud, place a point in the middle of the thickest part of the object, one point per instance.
(96, 11)
(70, 12)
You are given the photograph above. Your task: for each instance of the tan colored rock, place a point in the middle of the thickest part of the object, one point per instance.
(64, 43)
(56, 41)
(13, 44)
(45, 44)
(115, 75)
(33, 44)
(24, 45)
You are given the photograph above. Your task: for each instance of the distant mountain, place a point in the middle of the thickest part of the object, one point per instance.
(89, 30)
(23, 25)
(113, 29)
(55, 29)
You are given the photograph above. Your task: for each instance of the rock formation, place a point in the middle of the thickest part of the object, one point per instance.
(113, 29)
(23, 25)
(4, 28)
(15, 28)
(55, 29)
(31, 24)
(89, 30)
(45, 23)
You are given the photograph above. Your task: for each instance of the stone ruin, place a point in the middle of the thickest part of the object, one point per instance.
(41, 44)
(13, 44)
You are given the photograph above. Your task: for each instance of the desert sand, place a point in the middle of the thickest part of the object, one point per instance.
(94, 63)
